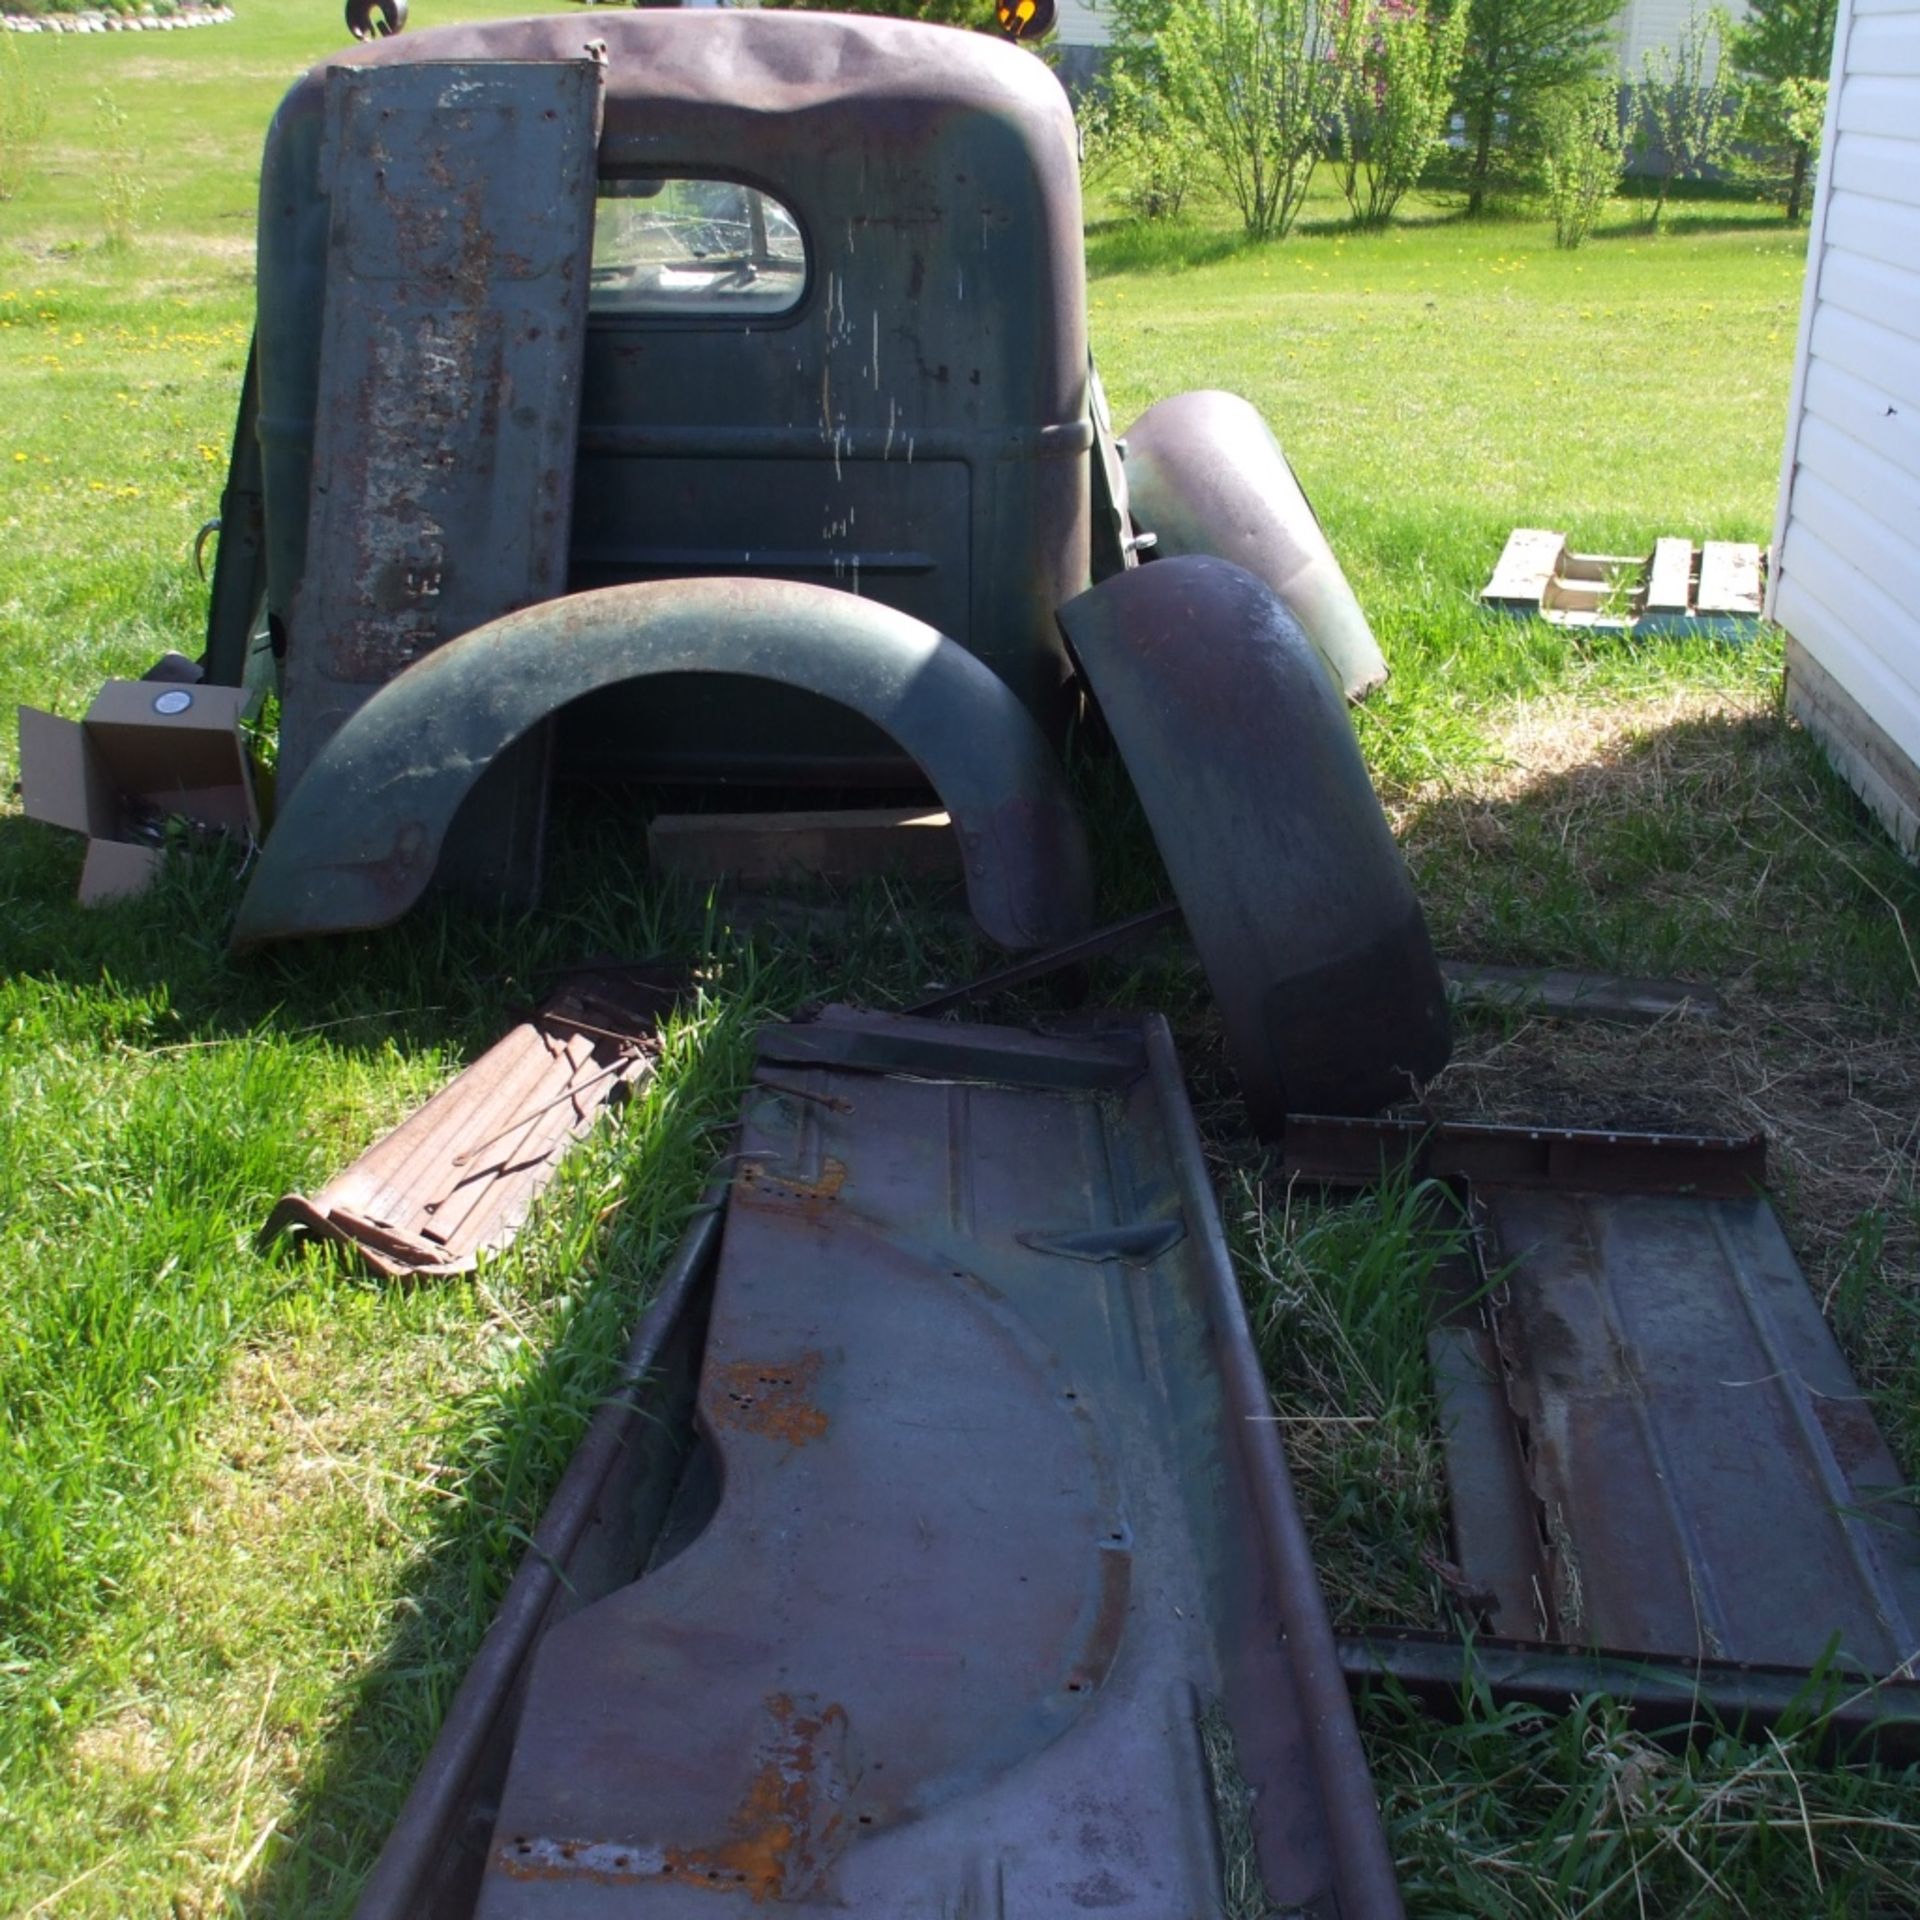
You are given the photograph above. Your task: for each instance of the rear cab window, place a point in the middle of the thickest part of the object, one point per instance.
(690, 249)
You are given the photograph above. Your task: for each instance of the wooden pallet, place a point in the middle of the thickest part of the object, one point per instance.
(1719, 585)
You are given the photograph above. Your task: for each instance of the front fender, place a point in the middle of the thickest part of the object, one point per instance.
(1251, 778)
(359, 838)
(1205, 475)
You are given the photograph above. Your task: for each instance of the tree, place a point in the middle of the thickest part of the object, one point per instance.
(1785, 47)
(1396, 109)
(1260, 81)
(1686, 103)
(1520, 55)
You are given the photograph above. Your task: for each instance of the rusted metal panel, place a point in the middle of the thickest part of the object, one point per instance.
(597, 1532)
(460, 204)
(455, 1179)
(1250, 775)
(1835, 1714)
(1061, 959)
(1707, 1479)
(1568, 993)
(1346, 1151)
(362, 836)
(1205, 475)
(1656, 1456)
(236, 601)
(985, 1590)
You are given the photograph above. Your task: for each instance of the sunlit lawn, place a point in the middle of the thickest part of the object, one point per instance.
(254, 1513)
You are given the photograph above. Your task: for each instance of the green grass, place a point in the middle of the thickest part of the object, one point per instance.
(255, 1513)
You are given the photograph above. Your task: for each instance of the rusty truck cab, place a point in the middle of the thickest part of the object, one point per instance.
(835, 333)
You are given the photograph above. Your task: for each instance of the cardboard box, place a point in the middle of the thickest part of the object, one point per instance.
(147, 751)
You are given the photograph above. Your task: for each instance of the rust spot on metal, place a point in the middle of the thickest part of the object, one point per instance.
(770, 1398)
(1109, 1620)
(789, 1828)
(767, 1188)
(792, 1823)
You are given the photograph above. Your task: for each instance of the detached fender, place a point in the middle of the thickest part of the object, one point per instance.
(1205, 475)
(358, 839)
(1298, 901)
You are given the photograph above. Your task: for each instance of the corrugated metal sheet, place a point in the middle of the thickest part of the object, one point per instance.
(456, 1179)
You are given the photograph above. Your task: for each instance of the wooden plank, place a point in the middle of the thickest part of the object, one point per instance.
(1729, 578)
(766, 849)
(1670, 579)
(1863, 754)
(1526, 566)
(1576, 596)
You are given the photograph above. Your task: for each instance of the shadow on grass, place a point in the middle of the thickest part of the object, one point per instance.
(1164, 246)
(1718, 847)
(515, 1446)
(1682, 222)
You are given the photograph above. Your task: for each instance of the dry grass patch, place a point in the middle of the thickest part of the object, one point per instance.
(1694, 832)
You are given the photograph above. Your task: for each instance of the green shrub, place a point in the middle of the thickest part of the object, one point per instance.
(1396, 108)
(122, 184)
(23, 119)
(1148, 155)
(1259, 82)
(1686, 102)
(1585, 156)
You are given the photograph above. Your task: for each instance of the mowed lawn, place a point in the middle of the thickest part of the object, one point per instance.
(255, 1512)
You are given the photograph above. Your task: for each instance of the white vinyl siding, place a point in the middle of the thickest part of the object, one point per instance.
(1078, 25)
(1846, 579)
(1643, 26)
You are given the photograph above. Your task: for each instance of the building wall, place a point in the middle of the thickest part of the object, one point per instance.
(1643, 26)
(1846, 581)
(1079, 25)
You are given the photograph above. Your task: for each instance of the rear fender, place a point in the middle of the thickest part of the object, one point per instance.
(1205, 475)
(1298, 901)
(359, 838)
